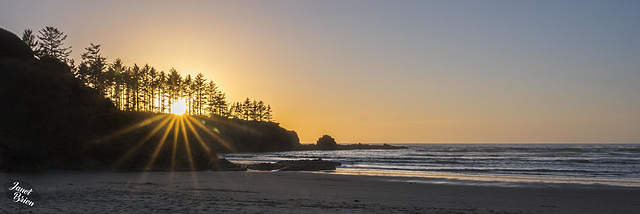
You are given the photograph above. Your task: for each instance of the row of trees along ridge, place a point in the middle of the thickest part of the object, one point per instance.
(143, 88)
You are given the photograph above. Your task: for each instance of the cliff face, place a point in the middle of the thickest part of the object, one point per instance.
(50, 120)
(11, 46)
(45, 112)
(180, 142)
(254, 136)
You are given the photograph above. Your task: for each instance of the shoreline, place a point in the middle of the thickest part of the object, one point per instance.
(301, 192)
(510, 164)
(472, 179)
(493, 180)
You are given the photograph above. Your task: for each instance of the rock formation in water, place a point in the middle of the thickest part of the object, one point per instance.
(327, 142)
(296, 165)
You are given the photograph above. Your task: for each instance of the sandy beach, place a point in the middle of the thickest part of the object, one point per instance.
(296, 192)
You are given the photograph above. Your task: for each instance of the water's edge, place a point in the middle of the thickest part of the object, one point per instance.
(588, 164)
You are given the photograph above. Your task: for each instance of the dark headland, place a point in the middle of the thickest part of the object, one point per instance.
(51, 120)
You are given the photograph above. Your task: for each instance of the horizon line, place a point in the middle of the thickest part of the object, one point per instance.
(479, 142)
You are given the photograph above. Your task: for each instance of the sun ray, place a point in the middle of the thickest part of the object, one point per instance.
(175, 141)
(143, 141)
(202, 143)
(160, 144)
(194, 176)
(130, 128)
(186, 143)
(220, 140)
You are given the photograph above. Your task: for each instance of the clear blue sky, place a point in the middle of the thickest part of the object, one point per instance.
(386, 71)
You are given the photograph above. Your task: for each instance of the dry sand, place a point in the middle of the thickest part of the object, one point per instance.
(296, 192)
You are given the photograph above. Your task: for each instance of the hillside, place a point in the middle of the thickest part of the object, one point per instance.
(50, 120)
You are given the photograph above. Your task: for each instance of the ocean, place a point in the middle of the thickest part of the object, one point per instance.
(606, 164)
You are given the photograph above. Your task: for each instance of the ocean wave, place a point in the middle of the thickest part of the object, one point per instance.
(538, 171)
(574, 161)
(489, 171)
(448, 162)
(582, 161)
(628, 149)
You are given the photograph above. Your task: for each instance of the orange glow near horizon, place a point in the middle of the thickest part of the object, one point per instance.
(418, 71)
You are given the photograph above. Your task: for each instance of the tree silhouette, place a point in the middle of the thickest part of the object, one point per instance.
(135, 88)
(199, 90)
(127, 80)
(143, 88)
(247, 109)
(187, 93)
(153, 89)
(162, 91)
(51, 44)
(116, 74)
(174, 85)
(30, 40)
(217, 101)
(250, 110)
(92, 67)
(268, 114)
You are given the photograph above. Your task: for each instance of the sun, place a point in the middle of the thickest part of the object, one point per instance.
(179, 107)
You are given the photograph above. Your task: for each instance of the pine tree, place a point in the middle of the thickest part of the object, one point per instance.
(174, 83)
(231, 110)
(187, 92)
(134, 82)
(117, 69)
(199, 90)
(246, 110)
(128, 89)
(237, 109)
(259, 111)
(162, 87)
(109, 78)
(91, 68)
(217, 101)
(210, 93)
(153, 84)
(30, 40)
(51, 44)
(268, 114)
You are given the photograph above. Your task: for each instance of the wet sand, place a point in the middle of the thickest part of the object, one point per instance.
(296, 192)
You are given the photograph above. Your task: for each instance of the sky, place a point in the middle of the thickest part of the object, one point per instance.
(386, 71)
